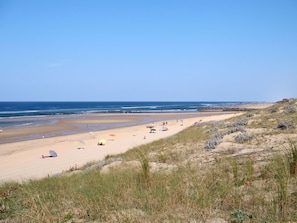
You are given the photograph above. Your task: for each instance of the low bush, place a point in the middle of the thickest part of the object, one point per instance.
(290, 110)
(284, 125)
(243, 137)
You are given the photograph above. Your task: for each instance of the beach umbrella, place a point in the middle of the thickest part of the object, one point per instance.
(53, 153)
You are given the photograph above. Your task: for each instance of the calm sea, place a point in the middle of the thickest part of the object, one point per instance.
(16, 114)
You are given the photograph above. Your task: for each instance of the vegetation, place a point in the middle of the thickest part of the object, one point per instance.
(250, 176)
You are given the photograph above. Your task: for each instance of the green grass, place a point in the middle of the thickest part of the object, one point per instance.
(236, 189)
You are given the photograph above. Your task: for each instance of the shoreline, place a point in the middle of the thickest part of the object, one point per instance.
(62, 125)
(75, 124)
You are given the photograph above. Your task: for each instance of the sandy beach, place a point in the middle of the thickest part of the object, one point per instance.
(22, 160)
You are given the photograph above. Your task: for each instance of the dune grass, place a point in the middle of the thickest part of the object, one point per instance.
(227, 190)
(233, 188)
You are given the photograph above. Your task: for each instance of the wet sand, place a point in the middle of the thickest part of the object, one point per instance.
(74, 124)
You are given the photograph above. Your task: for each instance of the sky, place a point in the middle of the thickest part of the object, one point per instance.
(148, 50)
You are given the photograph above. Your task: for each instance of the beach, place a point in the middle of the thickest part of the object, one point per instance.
(22, 160)
(73, 124)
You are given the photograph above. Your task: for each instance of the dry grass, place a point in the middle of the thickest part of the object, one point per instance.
(251, 181)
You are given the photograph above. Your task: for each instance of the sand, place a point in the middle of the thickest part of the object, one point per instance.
(20, 161)
(256, 105)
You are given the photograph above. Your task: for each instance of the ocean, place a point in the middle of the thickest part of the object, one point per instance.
(18, 114)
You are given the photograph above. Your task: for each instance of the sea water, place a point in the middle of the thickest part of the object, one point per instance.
(19, 114)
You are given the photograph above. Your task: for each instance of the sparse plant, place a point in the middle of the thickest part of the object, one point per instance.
(249, 115)
(249, 169)
(290, 110)
(240, 122)
(108, 156)
(291, 154)
(145, 166)
(214, 141)
(243, 137)
(235, 171)
(215, 123)
(215, 129)
(236, 129)
(73, 168)
(273, 109)
(68, 217)
(240, 216)
(284, 125)
(281, 176)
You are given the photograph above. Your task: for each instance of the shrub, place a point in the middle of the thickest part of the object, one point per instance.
(273, 108)
(240, 122)
(243, 137)
(290, 110)
(236, 129)
(214, 141)
(239, 216)
(250, 115)
(285, 125)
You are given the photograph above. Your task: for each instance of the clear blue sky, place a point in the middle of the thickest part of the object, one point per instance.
(148, 50)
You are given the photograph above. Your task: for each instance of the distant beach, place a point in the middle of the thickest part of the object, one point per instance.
(34, 120)
(72, 138)
(73, 124)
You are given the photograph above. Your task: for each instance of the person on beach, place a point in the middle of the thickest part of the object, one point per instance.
(101, 142)
(43, 156)
(52, 153)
